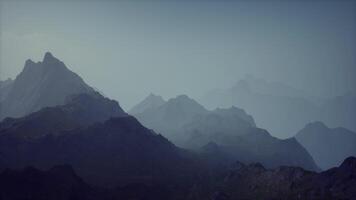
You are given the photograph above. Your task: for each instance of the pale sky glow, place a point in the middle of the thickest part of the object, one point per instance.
(127, 49)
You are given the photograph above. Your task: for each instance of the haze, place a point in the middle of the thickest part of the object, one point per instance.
(128, 49)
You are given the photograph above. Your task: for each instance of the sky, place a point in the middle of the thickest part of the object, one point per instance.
(128, 49)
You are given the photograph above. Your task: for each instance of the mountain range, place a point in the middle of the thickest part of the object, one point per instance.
(282, 109)
(61, 139)
(188, 124)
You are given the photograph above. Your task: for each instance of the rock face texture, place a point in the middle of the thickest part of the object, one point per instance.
(328, 146)
(255, 182)
(39, 85)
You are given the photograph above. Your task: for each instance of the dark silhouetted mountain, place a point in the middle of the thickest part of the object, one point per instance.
(61, 183)
(40, 85)
(58, 183)
(328, 146)
(186, 123)
(118, 151)
(255, 182)
(240, 181)
(80, 110)
(150, 102)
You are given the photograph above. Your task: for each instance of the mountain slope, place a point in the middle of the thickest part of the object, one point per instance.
(172, 115)
(257, 145)
(120, 145)
(255, 182)
(339, 111)
(150, 102)
(328, 146)
(218, 125)
(275, 107)
(58, 183)
(39, 85)
(189, 125)
(248, 182)
(80, 110)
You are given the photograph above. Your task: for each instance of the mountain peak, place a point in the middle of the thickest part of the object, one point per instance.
(349, 162)
(183, 97)
(50, 59)
(150, 102)
(29, 62)
(41, 84)
(48, 56)
(183, 101)
(153, 96)
(316, 125)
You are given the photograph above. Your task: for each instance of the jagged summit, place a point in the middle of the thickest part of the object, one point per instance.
(48, 56)
(39, 85)
(29, 62)
(50, 59)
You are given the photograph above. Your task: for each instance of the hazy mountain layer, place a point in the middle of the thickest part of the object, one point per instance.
(257, 145)
(280, 114)
(328, 146)
(39, 85)
(281, 109)
(190, 125)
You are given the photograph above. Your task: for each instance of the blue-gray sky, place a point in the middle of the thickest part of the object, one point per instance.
(128, 49)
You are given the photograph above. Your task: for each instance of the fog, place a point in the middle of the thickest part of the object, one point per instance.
(128, 49)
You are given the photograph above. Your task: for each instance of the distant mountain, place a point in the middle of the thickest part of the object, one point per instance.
(40, 85)
(188, 124)
(339, 111)
(5, 87)
(172, 115)
(150, 102)
(81, 110)
(328, 146)
(255, 182)
(219, 125)
(276, 107)
(257, 145)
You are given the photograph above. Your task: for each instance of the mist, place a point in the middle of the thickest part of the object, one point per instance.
(127, 49)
